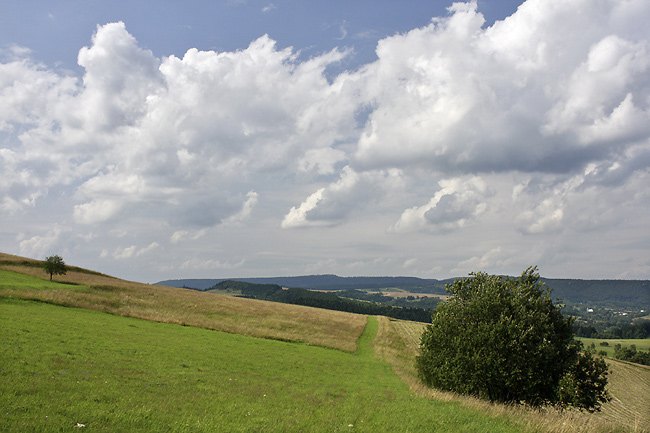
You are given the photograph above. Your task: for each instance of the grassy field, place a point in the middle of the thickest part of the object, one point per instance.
(185, 307)
(114, 372)
(62, 366)
(609, 349)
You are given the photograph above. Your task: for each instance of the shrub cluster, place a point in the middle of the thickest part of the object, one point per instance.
(503, 339)
(631, 354)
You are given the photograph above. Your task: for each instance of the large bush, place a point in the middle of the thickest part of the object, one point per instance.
(505, 340)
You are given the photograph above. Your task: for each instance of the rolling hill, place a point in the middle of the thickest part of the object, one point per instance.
(136, 368)
(610, 293)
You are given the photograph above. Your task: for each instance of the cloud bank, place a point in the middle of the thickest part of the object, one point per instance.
(529, 139)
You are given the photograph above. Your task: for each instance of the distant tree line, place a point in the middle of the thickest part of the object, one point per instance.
(630, 331)
(326, 300)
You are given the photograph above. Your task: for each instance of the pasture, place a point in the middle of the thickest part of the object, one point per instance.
(611, 342)
(62, 366)
(155, 363)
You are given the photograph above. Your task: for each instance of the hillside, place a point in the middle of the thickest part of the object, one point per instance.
(92, 290)
(140, 364)
(107, 373)
(320, 299)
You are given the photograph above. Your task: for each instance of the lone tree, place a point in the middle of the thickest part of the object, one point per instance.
(504, 340)
(54, 265)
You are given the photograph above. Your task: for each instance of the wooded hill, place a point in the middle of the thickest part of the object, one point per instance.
(615, 294)
(326, 300)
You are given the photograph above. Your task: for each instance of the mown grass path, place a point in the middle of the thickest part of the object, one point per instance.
(62, 366)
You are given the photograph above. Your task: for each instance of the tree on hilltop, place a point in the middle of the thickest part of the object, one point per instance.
(504, 340)
(54, 265)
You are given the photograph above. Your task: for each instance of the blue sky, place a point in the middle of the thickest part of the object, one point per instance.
(55, 30)
(156, 140)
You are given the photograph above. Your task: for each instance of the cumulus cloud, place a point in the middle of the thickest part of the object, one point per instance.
(183, 235)
(455, 205)
(246, 210)
(177, 135)
(39, 246)
(198, 264)
(549, 89)
(538, 125)
(496, 258)
(333, 204)
(133, 251)
(119, 79)
(543, 217)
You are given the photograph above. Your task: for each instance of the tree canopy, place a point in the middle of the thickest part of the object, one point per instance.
(505, 340)
(54, 265)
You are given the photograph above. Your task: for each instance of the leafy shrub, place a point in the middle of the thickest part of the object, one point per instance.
(504, 340)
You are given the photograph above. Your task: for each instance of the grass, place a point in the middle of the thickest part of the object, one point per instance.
(629, 385)
(611, 342)
(63, 366)
(186, 307)
(147, 376)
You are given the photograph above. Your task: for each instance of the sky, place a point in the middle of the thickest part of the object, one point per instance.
(153, 140)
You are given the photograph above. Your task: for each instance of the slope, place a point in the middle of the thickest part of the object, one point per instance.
(91, 290)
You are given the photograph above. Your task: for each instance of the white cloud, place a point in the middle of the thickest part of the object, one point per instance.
(458, 203)
(40, 246)
(322, 267)
(496, 258)
(297, 216)
(409, 263)
(538, 126)
(125, 253)
(120, 78)
(533, 92)
(544, 217)
(96, 211)
(133, 251)
(321, 160)
(198, 264)
(246, 210)
(333, 204)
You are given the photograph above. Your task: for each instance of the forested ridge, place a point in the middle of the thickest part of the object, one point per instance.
(326, 300)
(614, 294)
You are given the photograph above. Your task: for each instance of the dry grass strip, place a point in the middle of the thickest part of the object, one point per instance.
(95, 291)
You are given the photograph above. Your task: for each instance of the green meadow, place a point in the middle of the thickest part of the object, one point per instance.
(97, 353)
(609, 348)
(61, 366)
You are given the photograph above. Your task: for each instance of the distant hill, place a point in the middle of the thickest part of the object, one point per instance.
(612, 293)
(319, 299)
(326, 282)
